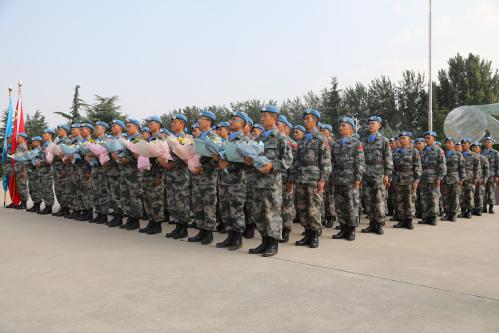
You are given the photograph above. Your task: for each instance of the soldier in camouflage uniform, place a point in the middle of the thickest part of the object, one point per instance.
(85, 176)
(131, 179)
(250, 173)
(232, 188)
(472, 166)
(310, 172)
(456, 173)
(482, 180)
(420, 145)
(115, 174)
(434, 170)
(407, 170)
(490, 189)
(7, 167)
(34, 179)
(328, 214)
(72, 165)
(20, 170)
(152, 185)
(61, 179)
(347, 156)
(377, 176)
(46, 173)
(268, 184)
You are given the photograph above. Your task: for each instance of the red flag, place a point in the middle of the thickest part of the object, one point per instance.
(18, 128)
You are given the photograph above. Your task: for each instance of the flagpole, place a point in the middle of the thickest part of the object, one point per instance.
(430, 88)
(6, 138)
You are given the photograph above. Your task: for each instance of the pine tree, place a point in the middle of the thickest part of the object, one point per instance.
(36, 124)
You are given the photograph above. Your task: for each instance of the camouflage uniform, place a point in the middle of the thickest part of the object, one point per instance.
(7, 166)
(74, 178)
(312, 165)
(34, 180)
(85, 181)
(114, 174)
(490, 188)
(456, 173)
(472, 166)
(434, 167)
(407, 170)
(46, 177)
(130, 183)
(483, 176)
(153, 192)
(100, 187)
(327, 211)
(61, 179)
(378, 157)
(288, 198)
(20, 170)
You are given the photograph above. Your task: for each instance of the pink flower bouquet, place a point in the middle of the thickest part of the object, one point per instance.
(184, 148)
(52, 150)
(99, 151)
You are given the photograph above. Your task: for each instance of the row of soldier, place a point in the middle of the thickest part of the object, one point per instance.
(312, 178)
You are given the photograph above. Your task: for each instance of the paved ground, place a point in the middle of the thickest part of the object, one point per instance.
(59, 275)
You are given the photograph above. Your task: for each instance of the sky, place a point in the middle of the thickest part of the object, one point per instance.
(161, 55)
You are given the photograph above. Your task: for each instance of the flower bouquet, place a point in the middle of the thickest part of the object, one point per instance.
(253, 150)
(143, 163)
(99, 151)
(184, 148)
(52, 150)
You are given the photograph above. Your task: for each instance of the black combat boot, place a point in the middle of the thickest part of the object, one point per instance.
(237, 241)
(227, 242)
(408, 224)
(33, 208)
(400, 224)
(87, 215)
(198, 238)
(207, 238)
(370, 228)
(285, 235)
(491, 209)
(126, 224)
(329, 223)
(452, 217)
(60, 212)
(432, 220)
(306, 239)
(343, 232)
(182, 232)
(272, 248)
(116, 221)
(463, 212)
(314, 239)
(174, 231)
(378, 228)
(134, 223)
(423, 221)
(47, 210)
(350, 234)
(249, 231)
(445, 217)
(70, 214)
(260, 248)
(338, 227)
(467, 215)
(102, 219)
(155, 229)
(94, 219)
(11, 205)
(79, 215)
(147, 227)
(484, 209)
(22, 205)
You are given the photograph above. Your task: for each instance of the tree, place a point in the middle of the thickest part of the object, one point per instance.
(104, 109)
(412, 102)
(75, 111)
(355, 102)
(330, 106)
(381, 101)
(36, 124)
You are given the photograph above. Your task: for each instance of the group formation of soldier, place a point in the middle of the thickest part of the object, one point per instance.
(312, 177)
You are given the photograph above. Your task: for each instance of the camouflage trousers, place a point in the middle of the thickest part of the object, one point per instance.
(114, 181)
(467, 195)
(327, 211)
(75, 184)
(347, 204)
(490, 192)
(232, 200)
(22, 184)
(47, 185)
(430, 196)
(288, 207)
(178, 198)
(153, 193)
(267, 206)
(204, 199)
(417, 199)
(404, 199)
(250, 190)
(479, 195)
(86, 194)
(100, 190)
(67, 191)
(309, 202)
(34, 185)
(373, 194)
(131, 190)
(450, 197)
(59, 182)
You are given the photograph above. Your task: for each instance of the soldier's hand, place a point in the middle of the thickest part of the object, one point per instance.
(87, 175)
(266, 168)
(223, 164)
(320, 186)
(414, 186)
(356, 184)
(216, 157)
(289, 187)
(123, 161)
(136, 155)
(115, 156)
(170, 165)
(386, 181)
(197, 170)
(88, 158)
(248, 161)
(437, 182)
(157, 181)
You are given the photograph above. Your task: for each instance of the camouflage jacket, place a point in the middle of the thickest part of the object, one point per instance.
(493, 157)
(483, 171)
(21, 166)
(378, 157)
(407, 165)
(293, 146)
(347, 157)
(45, 166)
(235, 172)
(433, 164)
(208, 164)
(278, 152)
(472, 165)
(57, 162)
(456, 171)
(313, 159)
(130, 157)
(156, 170)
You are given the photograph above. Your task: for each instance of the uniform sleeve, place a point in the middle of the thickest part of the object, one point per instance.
(486, 169)
(293, 174)
(496, 168)
(387, 159)
(442, 165)
(476, 168)
(461, 168)
(325, 160)
(359, 162)
(418, 170)
(285, 160)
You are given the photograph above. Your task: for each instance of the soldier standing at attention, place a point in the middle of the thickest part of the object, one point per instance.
(268, 184)
(347, 156)
(310, 172)
(61, 179)
(20, 170)
(490, 189)
(71, 164)
(482, 180)
(377, 176)
(452, 181)
(34, 180)
(46, 174)
(86, 176)
(114, 174)
(472, 166)
(328, 214)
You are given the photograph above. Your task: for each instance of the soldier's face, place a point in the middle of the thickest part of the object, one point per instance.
(310, 122)
(145, 135)
(223, 132)
(204, 123)
(177, 125)
(459, 148)
(268, 119)
(61, 132)
(281, 127)
(154, 126)
(35, 144)
(325, 132)
(373, 126)
(299, 135)
(257, 132)
(449, 145)
(429, 139)
(465, 145)
(75, 131)
(196, 132)
(85, 131)
(236, 124)
(131, 129)
(47, 136)
(476, 149)
(487, 144)
(345, 129)
(99, 130)
(116, 129)
(404, 141)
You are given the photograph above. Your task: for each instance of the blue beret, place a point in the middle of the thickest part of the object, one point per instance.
(49, 130)
(136, 122)
(328, 127)
(475, 144)
(145, 129)
(259, 126)
(37, 138)
(241, 115)
(488, 138)
(347, 120)
(412, 141)
(420, 140)
(118, 122)
(438, 143)
(223, 124)
(24, 135)
(195, 125)
(76, 125)
(208, 114)
(282, 119)
(180, 116)
(249, 120)
(405, 133)
(154, 118)
(300, 128)
(466, 140)
(375, 118)
(64, 127)
(450, 138)
(432, 133)
(102, 124)
(87, 125)
(458, 143)
(270, 108)
(313, 112)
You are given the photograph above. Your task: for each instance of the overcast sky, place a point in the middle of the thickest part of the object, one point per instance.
(160, 55)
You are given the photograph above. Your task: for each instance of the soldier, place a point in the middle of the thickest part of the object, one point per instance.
(20, 170)
(472, 166)
(482, 180)
(347, 156)
(46, 173)
(72, 166)
(85, 176)
(268, 183)
(34, 179)
(222, 129)
(257, 131)
(250, 174)
(407, 170)
(7, 167)
(152, 186)
(61, 179)
(195, 130)
(490, 188)
(420, 144)
(328, 213)
(145, 133)
(377, 176)
(99, 181)
(115, 174)
(310, 172)
(204, 186)
(232, 188)
(456, 173)
(131, 179)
